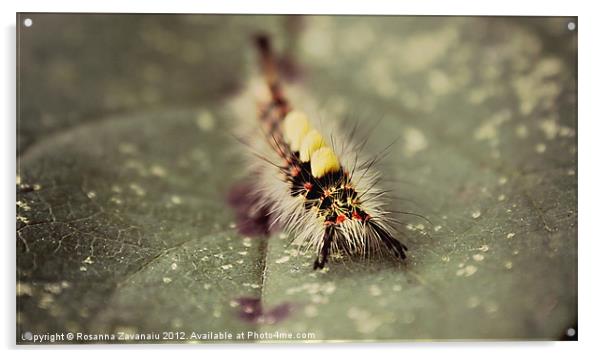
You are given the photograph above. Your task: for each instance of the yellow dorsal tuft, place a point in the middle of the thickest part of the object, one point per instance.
(310, 143)
(324, 161)
(295, 126)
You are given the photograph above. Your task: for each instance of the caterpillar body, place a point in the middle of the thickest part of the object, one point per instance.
(322, 195)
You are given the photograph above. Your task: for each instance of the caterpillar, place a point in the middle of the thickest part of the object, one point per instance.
(321, 195)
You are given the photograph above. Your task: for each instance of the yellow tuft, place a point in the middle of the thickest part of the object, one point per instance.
(295, 126)
(310, 143)
(324, 161)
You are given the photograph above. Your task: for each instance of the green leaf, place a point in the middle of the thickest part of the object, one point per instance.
(122, 222)
(487, 153)
(122, 226)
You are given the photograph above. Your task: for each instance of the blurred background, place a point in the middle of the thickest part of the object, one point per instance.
(76, 68)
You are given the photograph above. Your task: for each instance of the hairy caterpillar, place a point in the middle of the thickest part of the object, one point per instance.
(317, 192)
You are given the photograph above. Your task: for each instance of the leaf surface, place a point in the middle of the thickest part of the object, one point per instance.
(122, 221)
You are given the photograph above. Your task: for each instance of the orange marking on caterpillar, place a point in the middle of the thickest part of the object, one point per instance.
(295, 171)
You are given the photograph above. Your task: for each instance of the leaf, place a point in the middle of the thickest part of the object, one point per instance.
(122, 223)
(77, 68)
(494, 175)
(122, 227)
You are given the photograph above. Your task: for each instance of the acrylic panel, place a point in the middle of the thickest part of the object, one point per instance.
(257, 178)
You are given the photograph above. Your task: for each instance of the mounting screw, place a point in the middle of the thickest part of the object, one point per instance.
(571, 332)
(571, 26)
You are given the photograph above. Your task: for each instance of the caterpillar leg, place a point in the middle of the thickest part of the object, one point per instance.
(395, 247)
(322, 258)
(398, 249)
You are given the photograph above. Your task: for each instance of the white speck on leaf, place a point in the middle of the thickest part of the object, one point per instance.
(470, 270)
(550, 128)
(23, 205)
(540, 148)
(478, 257)
(205, 121)
(375, 290)
(283, 259)
(311, 311)
(116, 200)
(137, 189)
(414, 141)
(488, 130)
(467, 271)
(23, 219)
(158, 171)
(24, 289)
